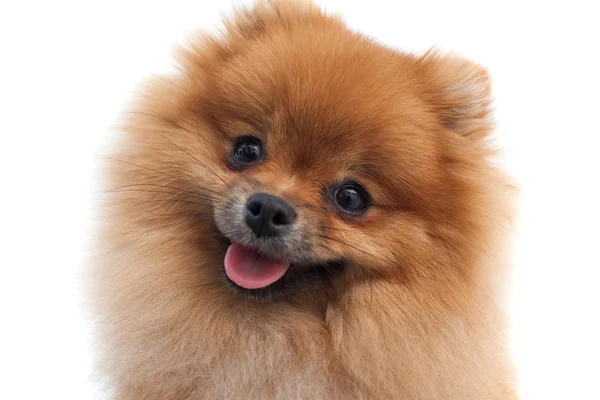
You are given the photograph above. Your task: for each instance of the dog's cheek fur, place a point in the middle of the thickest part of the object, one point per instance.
(169, 329)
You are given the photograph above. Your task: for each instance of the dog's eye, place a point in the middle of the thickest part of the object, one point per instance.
(351, 198)
(247, 149)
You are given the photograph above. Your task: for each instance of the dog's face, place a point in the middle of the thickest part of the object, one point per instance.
(330, 156)
(315, 156)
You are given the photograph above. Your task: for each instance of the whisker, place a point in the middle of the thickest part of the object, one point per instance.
(195, 193)
(161, 191)
(306, 205)
(153, 170)
(175, 201)
(175, 124)
(335, 253)
(194, 158)
(331, 228)
(165, 214)
(373, 273)
(355, 248)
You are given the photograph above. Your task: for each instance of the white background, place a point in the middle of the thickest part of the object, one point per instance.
(67, 68)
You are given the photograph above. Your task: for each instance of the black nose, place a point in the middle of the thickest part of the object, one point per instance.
(268, 215)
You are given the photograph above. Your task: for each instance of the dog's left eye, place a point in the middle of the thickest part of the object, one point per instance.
(351, 198)
(247, 149)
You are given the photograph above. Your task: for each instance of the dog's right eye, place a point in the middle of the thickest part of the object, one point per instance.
(247, 150)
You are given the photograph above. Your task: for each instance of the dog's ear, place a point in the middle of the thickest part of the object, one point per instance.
(459, 91)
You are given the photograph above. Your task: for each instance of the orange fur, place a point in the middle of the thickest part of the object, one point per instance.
(418, 313)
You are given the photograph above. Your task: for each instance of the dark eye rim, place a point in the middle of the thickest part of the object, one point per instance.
(359, 188)
(235, 162)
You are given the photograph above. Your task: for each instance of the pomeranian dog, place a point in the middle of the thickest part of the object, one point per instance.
(303, 213)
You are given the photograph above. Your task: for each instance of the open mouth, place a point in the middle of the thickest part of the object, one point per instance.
(262, 278)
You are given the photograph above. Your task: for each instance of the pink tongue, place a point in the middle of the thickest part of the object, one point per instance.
(251, 271)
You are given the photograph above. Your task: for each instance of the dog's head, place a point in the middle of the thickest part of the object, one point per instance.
(311, 155)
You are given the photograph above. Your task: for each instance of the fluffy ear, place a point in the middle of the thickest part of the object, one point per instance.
(460, 92)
